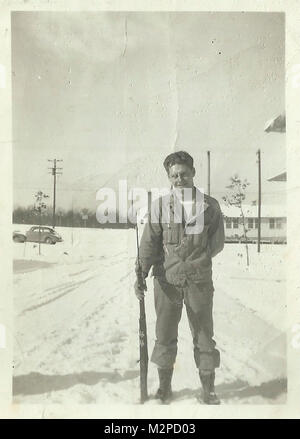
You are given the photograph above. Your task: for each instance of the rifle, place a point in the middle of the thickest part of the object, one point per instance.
(142, 328)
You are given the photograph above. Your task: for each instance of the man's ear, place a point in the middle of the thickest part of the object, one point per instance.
(194, 172)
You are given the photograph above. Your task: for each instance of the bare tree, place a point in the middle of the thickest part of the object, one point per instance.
(85, 213)
(235, 197)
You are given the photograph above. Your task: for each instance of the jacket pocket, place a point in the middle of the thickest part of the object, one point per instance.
(201, 239)
(171, 234)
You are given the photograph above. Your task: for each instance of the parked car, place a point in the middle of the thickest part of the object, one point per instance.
(18, 236)
(38, 234)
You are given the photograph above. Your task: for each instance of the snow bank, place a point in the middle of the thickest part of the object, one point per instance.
(76, 327)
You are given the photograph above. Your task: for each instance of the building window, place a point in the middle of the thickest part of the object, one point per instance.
(228, 223)
(235, 223)
(272, 223)
(250, 223)
(256, 223)
(278, 223)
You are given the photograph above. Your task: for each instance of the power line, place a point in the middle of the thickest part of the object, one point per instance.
(92, 190)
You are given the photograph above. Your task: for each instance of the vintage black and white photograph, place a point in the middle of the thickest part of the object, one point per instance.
(149, 208)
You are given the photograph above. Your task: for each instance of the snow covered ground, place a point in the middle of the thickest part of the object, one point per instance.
(76, 323)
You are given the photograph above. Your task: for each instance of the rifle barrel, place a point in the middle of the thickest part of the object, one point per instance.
(143, 353)
(142, 334)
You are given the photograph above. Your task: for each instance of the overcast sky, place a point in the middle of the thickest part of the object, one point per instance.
(110, 91)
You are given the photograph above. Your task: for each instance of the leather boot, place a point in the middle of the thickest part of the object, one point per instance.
(208, 385)
(164, 392)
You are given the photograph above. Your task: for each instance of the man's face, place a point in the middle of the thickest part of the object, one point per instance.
(181, 176)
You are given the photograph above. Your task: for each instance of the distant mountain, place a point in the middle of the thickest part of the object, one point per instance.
(90, 182)
(146, 172)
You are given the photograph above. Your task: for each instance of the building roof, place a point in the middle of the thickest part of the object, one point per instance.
(282, 176)
(267, 211)
(277, 124)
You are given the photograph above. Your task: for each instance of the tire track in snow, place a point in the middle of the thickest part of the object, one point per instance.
(83, 312)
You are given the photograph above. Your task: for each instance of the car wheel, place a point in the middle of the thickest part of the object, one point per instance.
(48, 241)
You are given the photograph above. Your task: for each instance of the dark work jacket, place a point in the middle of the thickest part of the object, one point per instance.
(179, 257)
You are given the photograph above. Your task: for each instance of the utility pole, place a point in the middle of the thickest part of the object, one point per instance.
(259, 202)
(208, 172)
(54, 171)
(72, 223)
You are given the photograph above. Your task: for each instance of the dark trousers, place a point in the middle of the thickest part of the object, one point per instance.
(168, 305)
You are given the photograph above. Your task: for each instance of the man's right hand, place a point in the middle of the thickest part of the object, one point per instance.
(139, 288)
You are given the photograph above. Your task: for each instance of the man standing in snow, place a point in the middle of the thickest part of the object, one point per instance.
(180, 254)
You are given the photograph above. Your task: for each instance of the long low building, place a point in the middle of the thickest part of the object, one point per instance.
(273, 223)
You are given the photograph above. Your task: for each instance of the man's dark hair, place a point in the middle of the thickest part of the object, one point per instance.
(178, 157)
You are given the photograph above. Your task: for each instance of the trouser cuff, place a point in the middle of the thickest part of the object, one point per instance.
(164, 357)
(207, 360)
